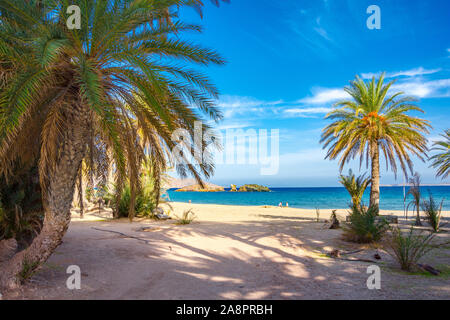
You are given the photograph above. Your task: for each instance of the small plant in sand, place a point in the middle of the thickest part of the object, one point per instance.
(365, 225)
(433, 212)
(414, 191)
(407, 249)
(187, 218)
(27, 271)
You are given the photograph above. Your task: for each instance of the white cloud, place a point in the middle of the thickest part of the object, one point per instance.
(321, 100)
(406, 73)
(425, 89)
(307, 111)
(237, 105)
(321, 31)
(324, 96)
(417, 87)
(234, 125)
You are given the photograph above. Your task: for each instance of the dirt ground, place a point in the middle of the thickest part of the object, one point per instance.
(228, 252)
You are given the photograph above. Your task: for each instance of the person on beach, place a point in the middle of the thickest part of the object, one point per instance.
(280, 205)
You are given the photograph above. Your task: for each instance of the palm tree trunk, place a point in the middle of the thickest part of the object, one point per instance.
(418, 221)
(132, 209)
(375, 185)
(80, 193)
(57, 204)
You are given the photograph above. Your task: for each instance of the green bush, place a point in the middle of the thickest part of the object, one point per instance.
(22, 227)
(433, 212)
(145, 201)
(356, 186)
(21, 210)
(408, 249)
(365, 225)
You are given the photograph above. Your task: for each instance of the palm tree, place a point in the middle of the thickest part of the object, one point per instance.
(356, 186)
(375, 122)
(122, 72)
(414, 191)
(441, 161)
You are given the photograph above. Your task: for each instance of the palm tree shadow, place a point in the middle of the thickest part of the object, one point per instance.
(208, 260)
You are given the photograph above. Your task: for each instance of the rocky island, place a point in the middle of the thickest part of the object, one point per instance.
(253, 188)
(209, 187)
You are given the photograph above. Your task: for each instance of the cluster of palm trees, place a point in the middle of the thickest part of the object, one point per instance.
(108, 97)
(116, 89)
(377, 123)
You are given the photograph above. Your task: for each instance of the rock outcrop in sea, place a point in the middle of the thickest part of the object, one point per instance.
(254, 188)
(209, 187)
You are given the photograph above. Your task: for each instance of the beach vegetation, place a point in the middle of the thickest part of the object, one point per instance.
(186, 218)
(21, 211)
(376, 122)
(408, 248)
(433, 212)
(356, 186)
(29, 268)
(365, 226)
(415, 192)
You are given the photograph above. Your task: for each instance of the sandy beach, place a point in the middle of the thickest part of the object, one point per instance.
(228, 252)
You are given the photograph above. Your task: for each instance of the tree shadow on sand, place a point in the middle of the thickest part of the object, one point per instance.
(209, 260)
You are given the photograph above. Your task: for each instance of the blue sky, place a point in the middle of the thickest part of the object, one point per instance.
(289, 60)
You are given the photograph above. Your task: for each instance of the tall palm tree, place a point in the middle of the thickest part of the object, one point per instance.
(122, 72)
(375, 122)
(441, 161)
(356, 186)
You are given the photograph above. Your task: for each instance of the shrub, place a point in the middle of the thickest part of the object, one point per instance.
(365, 226)
(22, 227)
(144, 206)
(410, 248)
(433, 212)
(356, 186)
(21, 214)
(187, 218)
(27, 271)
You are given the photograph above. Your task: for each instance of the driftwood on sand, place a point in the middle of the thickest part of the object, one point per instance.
(123, 235)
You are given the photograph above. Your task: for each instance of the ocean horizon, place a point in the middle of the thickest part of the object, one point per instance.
(392, 198)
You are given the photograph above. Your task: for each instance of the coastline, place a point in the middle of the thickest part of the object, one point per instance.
(205, 209)
(392, 198)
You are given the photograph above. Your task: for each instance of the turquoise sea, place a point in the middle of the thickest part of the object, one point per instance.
(308, 198)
